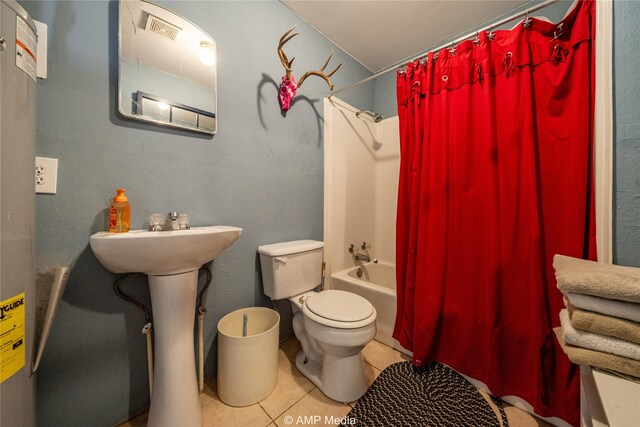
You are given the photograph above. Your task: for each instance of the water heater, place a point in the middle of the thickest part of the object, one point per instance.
(17, 210)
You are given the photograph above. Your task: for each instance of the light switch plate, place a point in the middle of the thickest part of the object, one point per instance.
(46, 175)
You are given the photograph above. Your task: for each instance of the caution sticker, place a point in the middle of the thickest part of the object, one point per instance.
(12, 353)
(25, 48)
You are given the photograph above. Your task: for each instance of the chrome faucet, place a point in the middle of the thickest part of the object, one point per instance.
(359, 256)
(362, 257)
(172, 222)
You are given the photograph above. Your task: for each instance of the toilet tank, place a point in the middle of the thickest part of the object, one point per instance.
(290, 268)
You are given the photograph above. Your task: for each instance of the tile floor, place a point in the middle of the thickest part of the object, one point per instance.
(296, 396)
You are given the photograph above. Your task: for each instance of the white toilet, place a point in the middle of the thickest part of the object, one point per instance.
(332, 326)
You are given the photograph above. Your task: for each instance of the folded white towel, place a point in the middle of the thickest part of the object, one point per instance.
(596, 342)
(621, 309)
(584, 356)
(597, 278)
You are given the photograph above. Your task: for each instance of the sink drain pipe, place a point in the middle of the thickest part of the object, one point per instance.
(146, 330)
(201, 311)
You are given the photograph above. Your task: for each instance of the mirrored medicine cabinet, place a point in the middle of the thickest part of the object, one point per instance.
(166, 68)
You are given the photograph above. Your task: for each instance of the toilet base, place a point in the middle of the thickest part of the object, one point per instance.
(309, 368)
(343, 382)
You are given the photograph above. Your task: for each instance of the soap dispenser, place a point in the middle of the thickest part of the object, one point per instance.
(119, 213)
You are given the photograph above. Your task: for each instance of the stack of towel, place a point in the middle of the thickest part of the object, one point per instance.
(601, 323)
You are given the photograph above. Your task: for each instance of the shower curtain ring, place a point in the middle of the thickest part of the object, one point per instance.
(491, 34)
(476, 41)
(527, 22)
(452, 49)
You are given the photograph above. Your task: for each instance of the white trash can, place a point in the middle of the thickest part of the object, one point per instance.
(248, 365)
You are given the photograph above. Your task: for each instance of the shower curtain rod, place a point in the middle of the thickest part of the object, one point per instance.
(442, 46)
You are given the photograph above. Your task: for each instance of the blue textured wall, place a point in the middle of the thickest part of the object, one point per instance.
(385, 101)
(626, 68)
(262, 172)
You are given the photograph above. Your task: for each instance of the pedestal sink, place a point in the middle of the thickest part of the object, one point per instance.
(171, 259)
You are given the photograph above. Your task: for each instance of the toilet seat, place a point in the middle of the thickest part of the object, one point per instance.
(339, 309)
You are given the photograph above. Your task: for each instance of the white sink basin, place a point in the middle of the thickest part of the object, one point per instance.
(159, 253)
(171, 259)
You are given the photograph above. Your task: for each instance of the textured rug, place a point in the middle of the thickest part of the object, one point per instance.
(433, 395)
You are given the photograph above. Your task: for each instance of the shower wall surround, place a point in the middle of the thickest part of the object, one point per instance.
(362, 161)
(261, 171)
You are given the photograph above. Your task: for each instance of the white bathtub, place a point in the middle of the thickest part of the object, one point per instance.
(378, 285)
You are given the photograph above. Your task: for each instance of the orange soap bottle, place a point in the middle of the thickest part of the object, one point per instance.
(119, 213)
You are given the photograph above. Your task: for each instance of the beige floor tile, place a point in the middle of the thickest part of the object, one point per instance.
(291, 387)
(215, 413)
(371, 372)
(381, 356)
(139, 421)
(282, 355)
(516, 416)
(491, 403)
(289, 348)
(209, 391)
(297, 397)
(519, 418)
(314, 409)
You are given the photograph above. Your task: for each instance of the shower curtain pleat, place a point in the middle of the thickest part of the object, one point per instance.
(495, 178)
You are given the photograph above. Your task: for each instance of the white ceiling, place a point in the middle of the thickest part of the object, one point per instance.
(380, 33)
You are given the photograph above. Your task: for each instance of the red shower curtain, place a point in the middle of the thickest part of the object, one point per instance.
(495, 178)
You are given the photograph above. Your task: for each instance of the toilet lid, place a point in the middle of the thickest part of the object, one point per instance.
(340, 305)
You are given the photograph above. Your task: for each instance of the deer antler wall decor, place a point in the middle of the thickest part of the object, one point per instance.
(289, 86)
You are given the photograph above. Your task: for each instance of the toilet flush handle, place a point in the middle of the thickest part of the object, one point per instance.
(282, 260)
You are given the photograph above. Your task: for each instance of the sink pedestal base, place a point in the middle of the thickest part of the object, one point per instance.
(175, 399)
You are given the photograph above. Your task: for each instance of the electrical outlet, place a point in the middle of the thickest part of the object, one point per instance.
(46, 175)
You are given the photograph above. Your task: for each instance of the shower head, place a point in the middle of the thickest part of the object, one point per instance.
(377, 118)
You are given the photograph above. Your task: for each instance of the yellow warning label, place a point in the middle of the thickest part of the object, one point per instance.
(12, 354)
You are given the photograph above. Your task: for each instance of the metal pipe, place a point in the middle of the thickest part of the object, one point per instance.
(442, 46)
(147, 330)
(201, 352)
(201, 311)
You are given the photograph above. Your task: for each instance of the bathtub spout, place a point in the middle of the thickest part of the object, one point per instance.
(362, 257)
